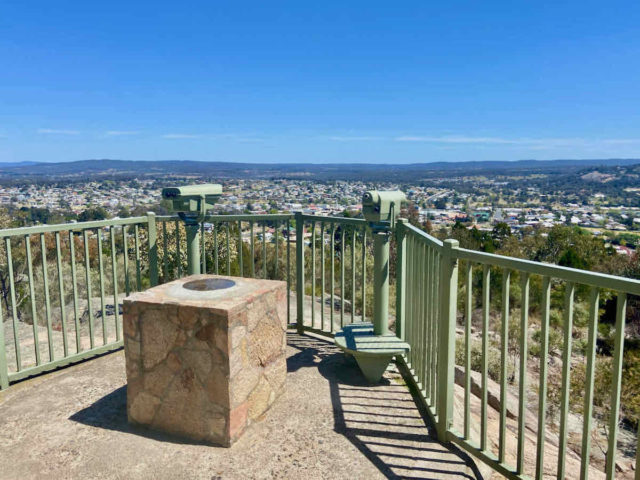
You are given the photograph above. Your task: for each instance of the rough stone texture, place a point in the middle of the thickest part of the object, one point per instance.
(205, 366)
(493, 391)
(327, 425)
(550, 466)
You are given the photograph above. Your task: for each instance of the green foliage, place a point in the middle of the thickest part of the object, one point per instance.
(601, 387)
(440, 203)
(580, 314)
(501, 232)
(172, 251)
(564, 245)
(472, 238)
(571, 258)
(123, 212)
(27, 216)
(555, 342)
(630, 400)
(93, 213)
(571, 247)
(493, 358)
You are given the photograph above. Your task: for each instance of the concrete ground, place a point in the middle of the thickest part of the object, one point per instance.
(328, 425)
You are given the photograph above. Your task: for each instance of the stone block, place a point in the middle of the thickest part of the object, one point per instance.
(205, 364)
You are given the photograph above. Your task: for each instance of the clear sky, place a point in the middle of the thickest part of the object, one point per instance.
(322, 81)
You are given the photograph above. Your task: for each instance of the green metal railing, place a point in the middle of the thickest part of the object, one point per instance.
(256, 246)
(332, 256)
(62, 286)
(418, 306)
(428, 306)
(54, 324)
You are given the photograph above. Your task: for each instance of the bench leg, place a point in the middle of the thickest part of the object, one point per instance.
(373, 367)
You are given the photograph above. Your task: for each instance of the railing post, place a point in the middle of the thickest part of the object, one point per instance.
(401, 264)
(153, 248)
(4, 371)
(193, 248)
(447, 336)
(300, 272)
(381, 283)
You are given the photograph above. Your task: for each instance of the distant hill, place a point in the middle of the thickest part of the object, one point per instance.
(329, 171)
(16, 164)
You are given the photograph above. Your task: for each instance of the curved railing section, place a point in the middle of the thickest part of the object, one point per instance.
(467, 327)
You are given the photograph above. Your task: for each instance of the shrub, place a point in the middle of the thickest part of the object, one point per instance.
(493, 360)
(555, 342)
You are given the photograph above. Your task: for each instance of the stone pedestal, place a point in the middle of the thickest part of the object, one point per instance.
(204, 364)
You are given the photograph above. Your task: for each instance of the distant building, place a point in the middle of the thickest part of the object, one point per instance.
(481, 216)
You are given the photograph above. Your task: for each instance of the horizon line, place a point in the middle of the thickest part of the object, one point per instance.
(44, 162)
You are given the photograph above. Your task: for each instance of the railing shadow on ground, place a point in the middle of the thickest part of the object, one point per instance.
(381, 421)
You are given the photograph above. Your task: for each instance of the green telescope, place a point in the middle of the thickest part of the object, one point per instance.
(380, 208)
(191, 202)
(374, 352)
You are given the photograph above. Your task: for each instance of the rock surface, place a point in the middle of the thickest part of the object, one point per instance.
(205, 368)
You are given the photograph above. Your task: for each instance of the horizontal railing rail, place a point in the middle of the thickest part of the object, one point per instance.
(235, 218)
(75, 226)
(594, 279)
(358, 222)
(267, 217)
(407, 228)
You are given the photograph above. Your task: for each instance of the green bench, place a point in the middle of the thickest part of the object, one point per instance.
(372, 352)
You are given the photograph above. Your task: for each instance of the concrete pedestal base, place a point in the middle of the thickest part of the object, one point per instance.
(201, 363)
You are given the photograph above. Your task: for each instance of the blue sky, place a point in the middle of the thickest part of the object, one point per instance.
(383, 82)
